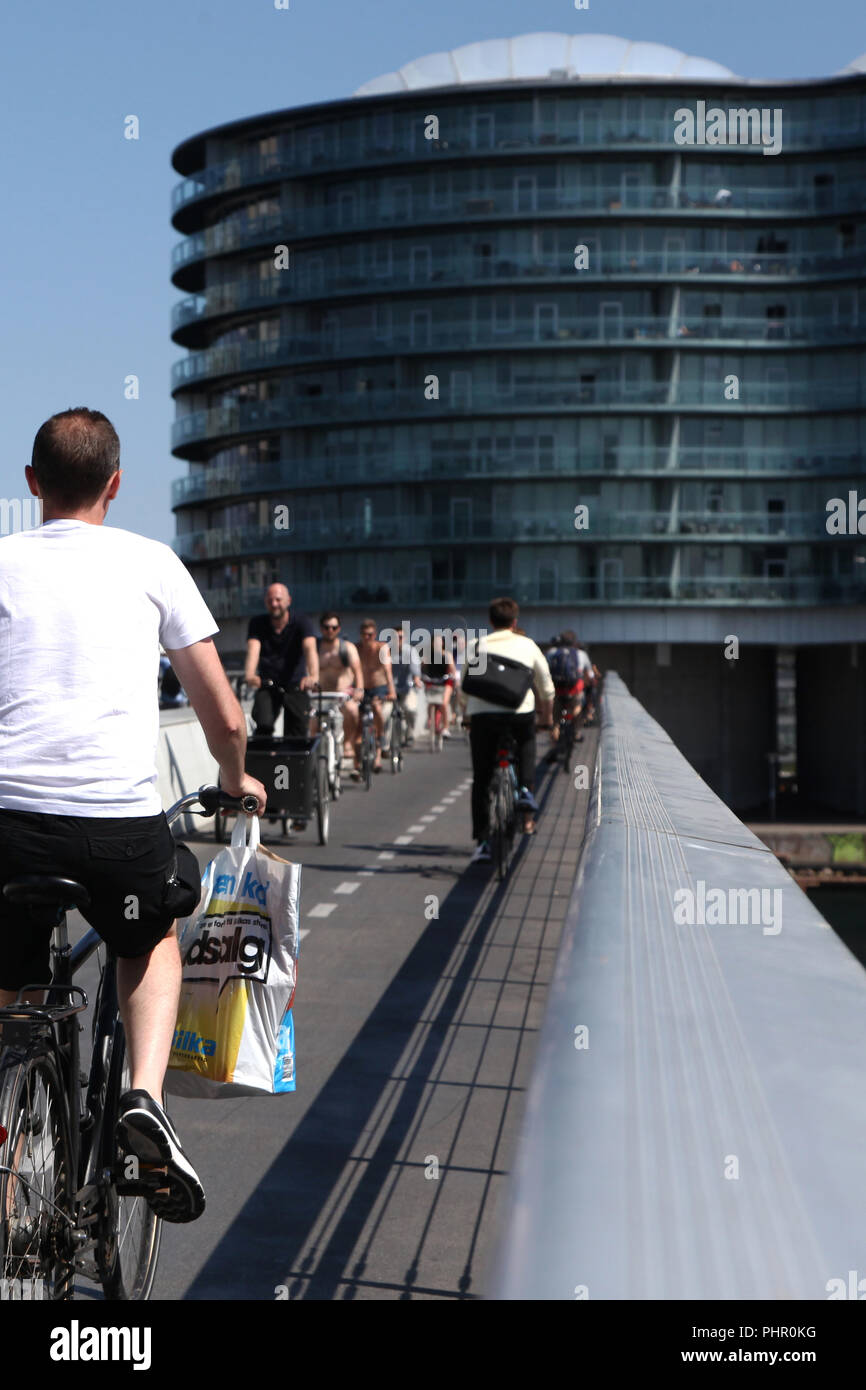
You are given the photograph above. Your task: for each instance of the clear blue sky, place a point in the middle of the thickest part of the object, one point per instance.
(86, 295)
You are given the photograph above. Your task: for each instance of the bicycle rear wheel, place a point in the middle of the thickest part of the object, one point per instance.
(323, 807)
(36, 1179)
(567, 737)
(497, 827)
(128, 1249)
(369, 757)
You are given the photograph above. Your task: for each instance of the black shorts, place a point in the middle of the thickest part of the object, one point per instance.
(138, 876)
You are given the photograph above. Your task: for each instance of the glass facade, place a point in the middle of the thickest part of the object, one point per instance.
(537, 347)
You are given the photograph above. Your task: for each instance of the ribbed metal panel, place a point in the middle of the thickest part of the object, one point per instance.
(713, 1049)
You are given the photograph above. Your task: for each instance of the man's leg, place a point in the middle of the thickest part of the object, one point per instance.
(296, 714)
(264, 714)
(483, 735)
(148, 990)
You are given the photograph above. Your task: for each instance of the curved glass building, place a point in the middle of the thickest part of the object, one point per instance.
(577, 319)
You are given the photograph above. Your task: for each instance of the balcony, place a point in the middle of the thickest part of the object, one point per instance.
(684, 331)
(401, 597)
(461, 206)
(398, 531)
(255, 170)
(192, 432)
(242, 480)
(458, 268)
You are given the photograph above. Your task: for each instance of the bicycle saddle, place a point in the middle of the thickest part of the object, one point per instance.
(46, 890)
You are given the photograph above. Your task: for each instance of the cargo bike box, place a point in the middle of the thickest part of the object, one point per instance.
(294, 773)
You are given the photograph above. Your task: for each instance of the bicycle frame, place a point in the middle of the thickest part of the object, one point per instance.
(29, 1030)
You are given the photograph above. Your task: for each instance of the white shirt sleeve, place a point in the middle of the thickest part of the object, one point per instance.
(184, 616)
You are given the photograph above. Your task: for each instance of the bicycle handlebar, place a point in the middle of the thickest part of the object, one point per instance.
(210, 798)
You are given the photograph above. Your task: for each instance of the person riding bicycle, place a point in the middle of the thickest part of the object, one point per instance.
(340, 670)
(281, 648)
(489, 719)
(407, 679)
(83, 610)
(570, 670)
(439, 669)
(378, 686)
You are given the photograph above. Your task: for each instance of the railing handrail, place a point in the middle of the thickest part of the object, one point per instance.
(695, 1119)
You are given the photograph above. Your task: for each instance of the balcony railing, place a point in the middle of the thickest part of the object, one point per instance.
(395, 598)
(342, 407)
(240, 480)
(455, 265)
(681, 330)
(419, 209)
(403, 530)
(572, 138)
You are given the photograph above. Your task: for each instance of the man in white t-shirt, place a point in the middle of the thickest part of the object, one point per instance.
(83, 610)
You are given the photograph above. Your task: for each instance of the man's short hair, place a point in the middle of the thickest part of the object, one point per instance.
(367, 622)
(569, 639)
(503, 612)
(328, 617)
(75, 454)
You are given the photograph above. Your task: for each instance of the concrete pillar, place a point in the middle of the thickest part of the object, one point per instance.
(831, 727)
(720, 713)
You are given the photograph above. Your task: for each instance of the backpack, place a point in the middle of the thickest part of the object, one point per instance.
(344, 650)
(499, 679)
(564, 664)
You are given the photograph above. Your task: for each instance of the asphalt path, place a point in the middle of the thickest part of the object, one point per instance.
(421, 987)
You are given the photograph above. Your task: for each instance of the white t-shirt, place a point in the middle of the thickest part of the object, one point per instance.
(83, 610)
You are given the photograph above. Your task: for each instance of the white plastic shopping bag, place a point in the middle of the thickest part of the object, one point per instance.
(235, 1032)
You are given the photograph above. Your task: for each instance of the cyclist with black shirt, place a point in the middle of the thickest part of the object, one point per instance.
(281, 647)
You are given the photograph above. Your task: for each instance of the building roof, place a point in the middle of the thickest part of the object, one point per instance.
(528, 57)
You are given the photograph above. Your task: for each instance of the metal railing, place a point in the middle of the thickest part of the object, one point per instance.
(696, 1117)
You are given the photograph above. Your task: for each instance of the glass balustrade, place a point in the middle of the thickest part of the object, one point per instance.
(643, 328)
(800, 395)
(401, 530)
(302, 474)
(389, 598)
(244, 170)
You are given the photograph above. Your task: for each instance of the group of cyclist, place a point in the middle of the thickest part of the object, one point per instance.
(84, 610)
(286, 660)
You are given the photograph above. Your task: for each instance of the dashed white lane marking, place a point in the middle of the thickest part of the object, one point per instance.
(416, 829)
(366, 873)
(437, 809)
(386, 854)
(346, 887)
(427, 819)
(404, 839)
(322, 910)
(304, 932)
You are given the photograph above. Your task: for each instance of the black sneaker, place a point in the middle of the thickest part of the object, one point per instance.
(145, 1131)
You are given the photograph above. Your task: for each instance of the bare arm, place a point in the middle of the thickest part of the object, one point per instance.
(200, 672)
(385, 659)
(355, 666)
(254, 651)
(311, 656)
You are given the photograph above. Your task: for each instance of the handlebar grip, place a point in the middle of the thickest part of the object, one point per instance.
(213, 797)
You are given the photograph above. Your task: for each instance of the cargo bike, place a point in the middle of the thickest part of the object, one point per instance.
(296, 774)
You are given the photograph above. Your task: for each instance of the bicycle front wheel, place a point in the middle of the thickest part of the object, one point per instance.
(36, 1180)
(129, 1245)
